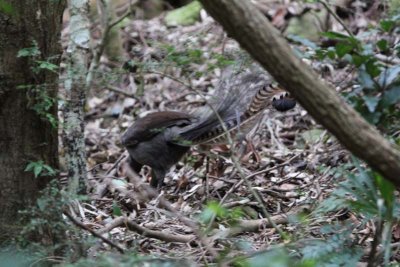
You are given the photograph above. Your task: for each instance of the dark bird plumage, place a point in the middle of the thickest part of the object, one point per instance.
(160, 139)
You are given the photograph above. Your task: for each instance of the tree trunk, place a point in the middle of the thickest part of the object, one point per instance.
(256, 34)
(75, 86)
(28, 130)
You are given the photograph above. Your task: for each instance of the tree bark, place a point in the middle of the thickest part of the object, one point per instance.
(26, 134)
(75, 90)
(255, 33)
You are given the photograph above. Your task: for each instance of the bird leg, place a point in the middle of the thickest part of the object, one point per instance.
(135, 166)
(157, 178)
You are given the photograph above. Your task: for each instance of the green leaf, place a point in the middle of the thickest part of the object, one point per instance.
(372, 68)
(50, 170)
(195, 53)
(365, 80)
(331, 53)
(47, 66)
(116, 209)
(217, 209)
(30, 166)
(358, 60)
(212, 209)
(42, 203)
(387, 25)
(388, 76)
(320, 54)
(29, 51)
(386, 189)
(38, 167)
(368, 50)
(37, 170)
(335, 35)
(391, 96)
(343, 49)
(382, 45)
(371, 102)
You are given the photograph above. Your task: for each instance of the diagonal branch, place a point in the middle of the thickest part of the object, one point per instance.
(255, 33)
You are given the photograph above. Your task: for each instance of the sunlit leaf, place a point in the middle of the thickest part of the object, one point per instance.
(388, 76)
(365, 79)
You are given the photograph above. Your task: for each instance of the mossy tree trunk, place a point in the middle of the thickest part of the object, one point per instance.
(76, 84)
(28, 106)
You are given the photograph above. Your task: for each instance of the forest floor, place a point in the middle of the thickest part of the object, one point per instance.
(290, 162)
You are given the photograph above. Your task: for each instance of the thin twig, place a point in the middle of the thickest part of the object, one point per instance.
(118, 20)
(101, 46)
(274, 167)
(116, 163)
(119, 91)
(325, 4)
(372, 257)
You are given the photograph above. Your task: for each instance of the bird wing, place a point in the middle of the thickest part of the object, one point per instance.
(149, 126)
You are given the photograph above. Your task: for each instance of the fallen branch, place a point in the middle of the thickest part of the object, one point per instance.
(257, 225)
(144, 193)
(160, 235)
(173, 237)
(83, 226)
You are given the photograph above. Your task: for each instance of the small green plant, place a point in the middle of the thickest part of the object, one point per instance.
(44, 232)
(337, 249)
(183, 58)
(38, 65)
(376, 91)
(39, 99)
(364, 192)
(6, 8)
(41, 102)
(367, 194)
(214, 209)
(191, 160)
(32, 51)
(39, 168)
(378, 87)
(188, 59)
